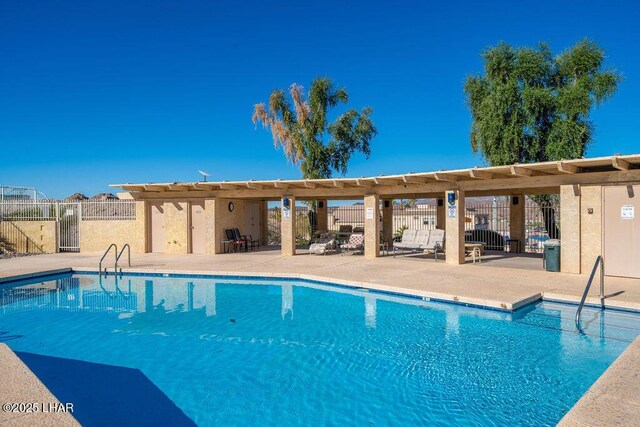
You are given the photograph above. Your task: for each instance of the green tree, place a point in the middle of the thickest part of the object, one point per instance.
(305, 134)
(532, 106)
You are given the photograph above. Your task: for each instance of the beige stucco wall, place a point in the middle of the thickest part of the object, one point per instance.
(454, 241)
(29, 236)
(288, 229)
(176, 233)
(98, 235)
(590, 226)
(372, 226)
(570, 228)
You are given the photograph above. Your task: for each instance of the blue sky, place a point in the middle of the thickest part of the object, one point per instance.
(100, 92)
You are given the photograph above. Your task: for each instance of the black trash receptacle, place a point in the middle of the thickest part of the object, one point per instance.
(552, 255)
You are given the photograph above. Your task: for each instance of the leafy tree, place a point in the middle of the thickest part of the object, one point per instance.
(532, 106)
(305, 134)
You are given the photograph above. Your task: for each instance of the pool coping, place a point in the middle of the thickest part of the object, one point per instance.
(613, 398)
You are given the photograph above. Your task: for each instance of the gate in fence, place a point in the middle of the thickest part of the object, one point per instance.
(68, 215)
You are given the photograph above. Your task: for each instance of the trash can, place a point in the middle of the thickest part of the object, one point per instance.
(551, 257)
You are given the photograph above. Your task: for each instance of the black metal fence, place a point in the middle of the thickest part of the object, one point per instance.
(487, 220)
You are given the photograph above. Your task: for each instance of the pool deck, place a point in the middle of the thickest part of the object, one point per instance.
(502, 283)
(20, 385)
(498, 282)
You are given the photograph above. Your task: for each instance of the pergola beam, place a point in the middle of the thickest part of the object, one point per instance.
(478, 174)
(225, 186)
(363, 183)
(441, 176)
(568, 168)
(620, 164)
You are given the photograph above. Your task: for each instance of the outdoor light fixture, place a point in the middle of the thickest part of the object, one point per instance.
(386, 203)
(321, 205)
(440, 202)
(516, 200)
(231, 206)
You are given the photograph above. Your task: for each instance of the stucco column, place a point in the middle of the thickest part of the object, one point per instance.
(441, 214)
(570, 228)
(371, 226)
(387, 221)
(321, 216)
(455, 221)
(516, 221)
(288, 226)
(264, 223)
(212, 245)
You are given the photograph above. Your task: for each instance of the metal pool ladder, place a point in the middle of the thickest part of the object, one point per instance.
(599, 262)
(115, 267)
(126, 246)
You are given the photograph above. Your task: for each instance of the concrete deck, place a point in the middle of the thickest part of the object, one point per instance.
(493, 283)
(20, 385)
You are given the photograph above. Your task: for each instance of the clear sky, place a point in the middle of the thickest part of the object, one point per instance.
(100, 92)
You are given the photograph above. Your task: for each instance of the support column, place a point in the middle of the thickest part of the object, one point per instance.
(516, 222)
(288, 226)
(264, 223)
(441, 214)
(371, 226)
(387, 221)
(570, 228)
(321, 216)
(455, 221)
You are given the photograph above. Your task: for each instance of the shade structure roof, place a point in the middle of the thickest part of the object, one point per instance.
(527, 178)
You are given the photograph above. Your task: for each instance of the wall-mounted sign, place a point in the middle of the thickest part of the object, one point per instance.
(368, 213)
(286, 213)
(627, 212)
(452, 211)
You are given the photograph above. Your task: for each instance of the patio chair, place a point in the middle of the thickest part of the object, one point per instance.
(435, 243)
(355, 244)
(233, 242)
(344, 231)
(407, 242)
(323, 245)
(249, 242)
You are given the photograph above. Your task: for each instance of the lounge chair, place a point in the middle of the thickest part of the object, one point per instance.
(323, 245)
(355, 243)
(344, 231)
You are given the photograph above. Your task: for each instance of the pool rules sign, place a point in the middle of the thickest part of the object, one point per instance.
(627, 212)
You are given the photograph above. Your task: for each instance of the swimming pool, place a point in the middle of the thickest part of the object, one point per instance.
(232, 351)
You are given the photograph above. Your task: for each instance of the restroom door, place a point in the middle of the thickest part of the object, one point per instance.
(621, 231)
(198, 225)
(157, 226)
(252, 219)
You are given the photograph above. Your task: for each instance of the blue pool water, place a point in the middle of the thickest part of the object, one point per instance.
(215, 351)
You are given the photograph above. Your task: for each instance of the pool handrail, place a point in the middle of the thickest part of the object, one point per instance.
(126, 245)
(115, 266)
(599, 262)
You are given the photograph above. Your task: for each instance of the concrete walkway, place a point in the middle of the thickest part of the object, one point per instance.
(494, 284)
